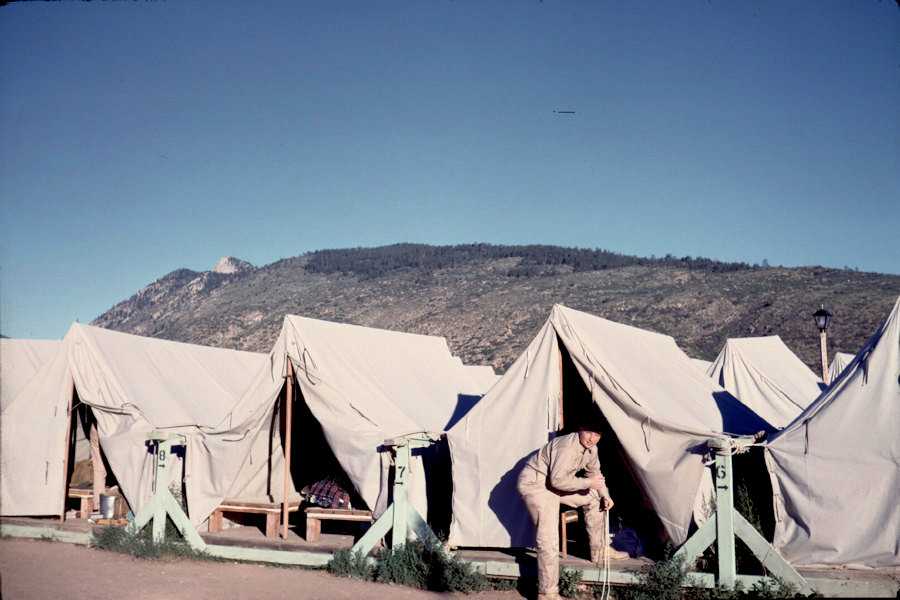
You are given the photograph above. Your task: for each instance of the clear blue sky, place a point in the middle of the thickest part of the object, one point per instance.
(137, 138)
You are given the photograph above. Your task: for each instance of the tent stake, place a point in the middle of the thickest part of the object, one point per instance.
(288, 400)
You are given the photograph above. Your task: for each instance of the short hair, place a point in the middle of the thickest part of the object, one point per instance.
(595, 425)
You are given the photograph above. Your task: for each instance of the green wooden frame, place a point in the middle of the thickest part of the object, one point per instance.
(400, 514)
(162, 503)
(727, 522)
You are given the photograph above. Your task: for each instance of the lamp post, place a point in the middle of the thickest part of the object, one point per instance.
(823, 318)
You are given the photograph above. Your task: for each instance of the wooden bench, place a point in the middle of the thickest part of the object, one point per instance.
(85, 493)
(272, 510)
(315, 515)
(86, 496)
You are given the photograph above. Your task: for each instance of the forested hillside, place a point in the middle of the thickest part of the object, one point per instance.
(488, 301)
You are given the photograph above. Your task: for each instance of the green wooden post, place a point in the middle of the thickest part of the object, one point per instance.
(724, 513)
(400, 515)
(162, 503)
(402, 452)
(727, 522)
(163, 464)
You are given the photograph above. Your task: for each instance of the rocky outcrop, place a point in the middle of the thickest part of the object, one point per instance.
(230, 265)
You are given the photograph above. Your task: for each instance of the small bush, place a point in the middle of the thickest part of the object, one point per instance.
(569, 580)
(775, 587)
(347, 563)
(414, 565)
(141, 544)
(667, 580)
(662, 582)
(503, 585)
(404, 565)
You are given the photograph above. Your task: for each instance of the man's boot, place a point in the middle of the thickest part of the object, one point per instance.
(598, 554)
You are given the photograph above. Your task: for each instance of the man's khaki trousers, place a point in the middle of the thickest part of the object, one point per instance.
(543, 506)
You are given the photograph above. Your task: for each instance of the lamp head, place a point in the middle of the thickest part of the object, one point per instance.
(823, 318)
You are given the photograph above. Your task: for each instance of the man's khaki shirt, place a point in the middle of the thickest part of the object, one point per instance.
(554, 466)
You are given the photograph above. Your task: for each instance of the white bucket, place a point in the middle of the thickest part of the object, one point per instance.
(107, 506)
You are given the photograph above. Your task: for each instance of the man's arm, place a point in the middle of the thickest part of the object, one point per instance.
(592, 470)
(564, 459)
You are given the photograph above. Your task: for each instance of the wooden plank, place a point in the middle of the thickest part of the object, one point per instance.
(565, 517)
(215, 521)
(313, 529)
(65, 471)
(291, 557)
(766, 554)
(357, 518)
(272, 522)
(377, 531)
(338, 512)
(288, 401)
(238, 505)
(699, 541)
(561, 416)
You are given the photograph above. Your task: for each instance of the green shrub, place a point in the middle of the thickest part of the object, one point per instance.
(404, 565)
(141, 544)
(457, 575)
(569, 580)
(774, 587)
(503, 585)
(414, 565)
(663, 581)
(350, 564)
(666, 580)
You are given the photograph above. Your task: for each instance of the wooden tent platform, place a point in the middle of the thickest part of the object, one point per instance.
(496, 562)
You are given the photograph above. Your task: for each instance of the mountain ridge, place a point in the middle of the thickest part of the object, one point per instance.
(488, 301)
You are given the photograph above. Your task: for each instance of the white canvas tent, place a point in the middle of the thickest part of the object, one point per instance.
(835, 470)
(766, 376)
(661, 408)
(701, 364)
(133, 385)
(362, 385)
(35, 396)
(19, 361)
(838, 364)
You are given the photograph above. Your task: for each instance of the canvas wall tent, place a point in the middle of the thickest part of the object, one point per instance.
(133, 385)
(766, 376)
(838, 364)
(835, 469)
(35, 399)
(19, 361)
(701, 364)
(362, 385)
(660, 407)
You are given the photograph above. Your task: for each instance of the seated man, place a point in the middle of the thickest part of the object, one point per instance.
(549, 478)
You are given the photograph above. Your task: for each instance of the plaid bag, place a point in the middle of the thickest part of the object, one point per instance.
(327, 493)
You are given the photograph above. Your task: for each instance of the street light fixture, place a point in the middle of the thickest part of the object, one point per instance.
(823, 318)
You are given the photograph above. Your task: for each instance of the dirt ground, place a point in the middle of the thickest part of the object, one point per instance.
(39, 569)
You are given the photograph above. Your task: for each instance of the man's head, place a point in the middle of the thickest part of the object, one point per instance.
(589, 435)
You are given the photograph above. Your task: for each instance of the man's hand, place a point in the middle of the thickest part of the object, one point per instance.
(598, 482)
(606, 503)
